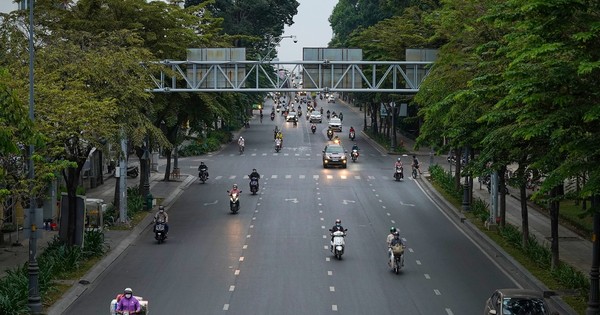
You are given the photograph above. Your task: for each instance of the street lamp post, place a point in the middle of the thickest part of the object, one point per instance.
(34, 300)
(393, 144)
(279, 39)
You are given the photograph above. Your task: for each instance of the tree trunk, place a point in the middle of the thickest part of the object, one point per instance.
(524, 213)
(502, 191)
(554, 208)
(71, 176)
(458, 159)
(374, 119)
(168, 167)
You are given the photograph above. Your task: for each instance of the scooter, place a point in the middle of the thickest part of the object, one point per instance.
(133, 171)
(338, 244)
(352, 135)
(254, 185)
(354, 155)
(277, 145)
(203, 176)
(159, 232)
(234, 202)
(397, 259)
(313, 128)
(399, 173)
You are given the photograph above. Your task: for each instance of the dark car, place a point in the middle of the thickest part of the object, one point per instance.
(334, 154)
(516, 302)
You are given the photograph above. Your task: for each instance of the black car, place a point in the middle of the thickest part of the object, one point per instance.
(334, 154)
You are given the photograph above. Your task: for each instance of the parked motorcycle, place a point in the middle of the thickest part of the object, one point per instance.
(313, 128)
(399, 173)
(254, 185)
(352, 135)
(234, 202)
(203, 175)
(397, 258)
(133, 171)
(159, 232)
(338, 244)
(354, 155)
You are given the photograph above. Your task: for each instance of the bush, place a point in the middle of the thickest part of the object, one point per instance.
(135, 201)
(55, 262)
(445, 180)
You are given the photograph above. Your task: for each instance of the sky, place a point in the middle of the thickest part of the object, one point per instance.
(311, 27)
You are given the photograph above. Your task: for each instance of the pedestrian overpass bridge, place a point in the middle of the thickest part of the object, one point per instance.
(277, 76)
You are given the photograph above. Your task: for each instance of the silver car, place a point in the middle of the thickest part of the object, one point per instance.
(334, 154)
(315, 116)
(516, 302)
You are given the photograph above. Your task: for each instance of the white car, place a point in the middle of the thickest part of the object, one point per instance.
(291, 116)
(335, 124)
(331, 99)
(315, 116)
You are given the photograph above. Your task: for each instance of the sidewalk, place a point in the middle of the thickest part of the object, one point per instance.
(573, 249)
(117, 240)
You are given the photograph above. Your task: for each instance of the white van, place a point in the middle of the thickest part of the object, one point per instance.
(335, 124)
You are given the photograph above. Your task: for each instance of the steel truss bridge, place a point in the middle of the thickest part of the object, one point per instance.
(273, 76)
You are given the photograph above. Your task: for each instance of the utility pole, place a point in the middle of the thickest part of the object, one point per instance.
(34, 301)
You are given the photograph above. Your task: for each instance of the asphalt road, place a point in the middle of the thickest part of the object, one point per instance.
(273, 257)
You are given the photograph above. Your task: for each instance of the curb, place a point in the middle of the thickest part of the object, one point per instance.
(81, 286)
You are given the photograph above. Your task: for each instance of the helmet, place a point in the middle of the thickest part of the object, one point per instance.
(201, 163)
(234, 186)
(161, 208)
(396, 234)
(128, 290)
(253, 170)
(399, 159)
(338, 222)
(393, 230)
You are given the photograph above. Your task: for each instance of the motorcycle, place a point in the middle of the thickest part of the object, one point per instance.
(203, 176)
(254, 185)
(313, 129)
(352, 135)
(299, 113)
(330, 134)
(399, 173)
(397, 259)
(354, 155)
(414, 172)
(234, 202)
(272, 116)
(241, 149)
(295, 123)
(159, 232)
(338, 244)
(277, 145)
(133, 171)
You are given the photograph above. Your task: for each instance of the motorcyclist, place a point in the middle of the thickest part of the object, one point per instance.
(355, 147)
(313, 126)
(415, 163)
(275, 132)
(299, 108)
(337, 140)
(203, 168)
(234, 190)
(390, 236)
(397, 165)
(162, 217)
(241, 142)
(395, 242)
(254, 174)
(128, 303)
(330, 133)
(341, 116)
(328, 114)
(337, 227)
(320, 109)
